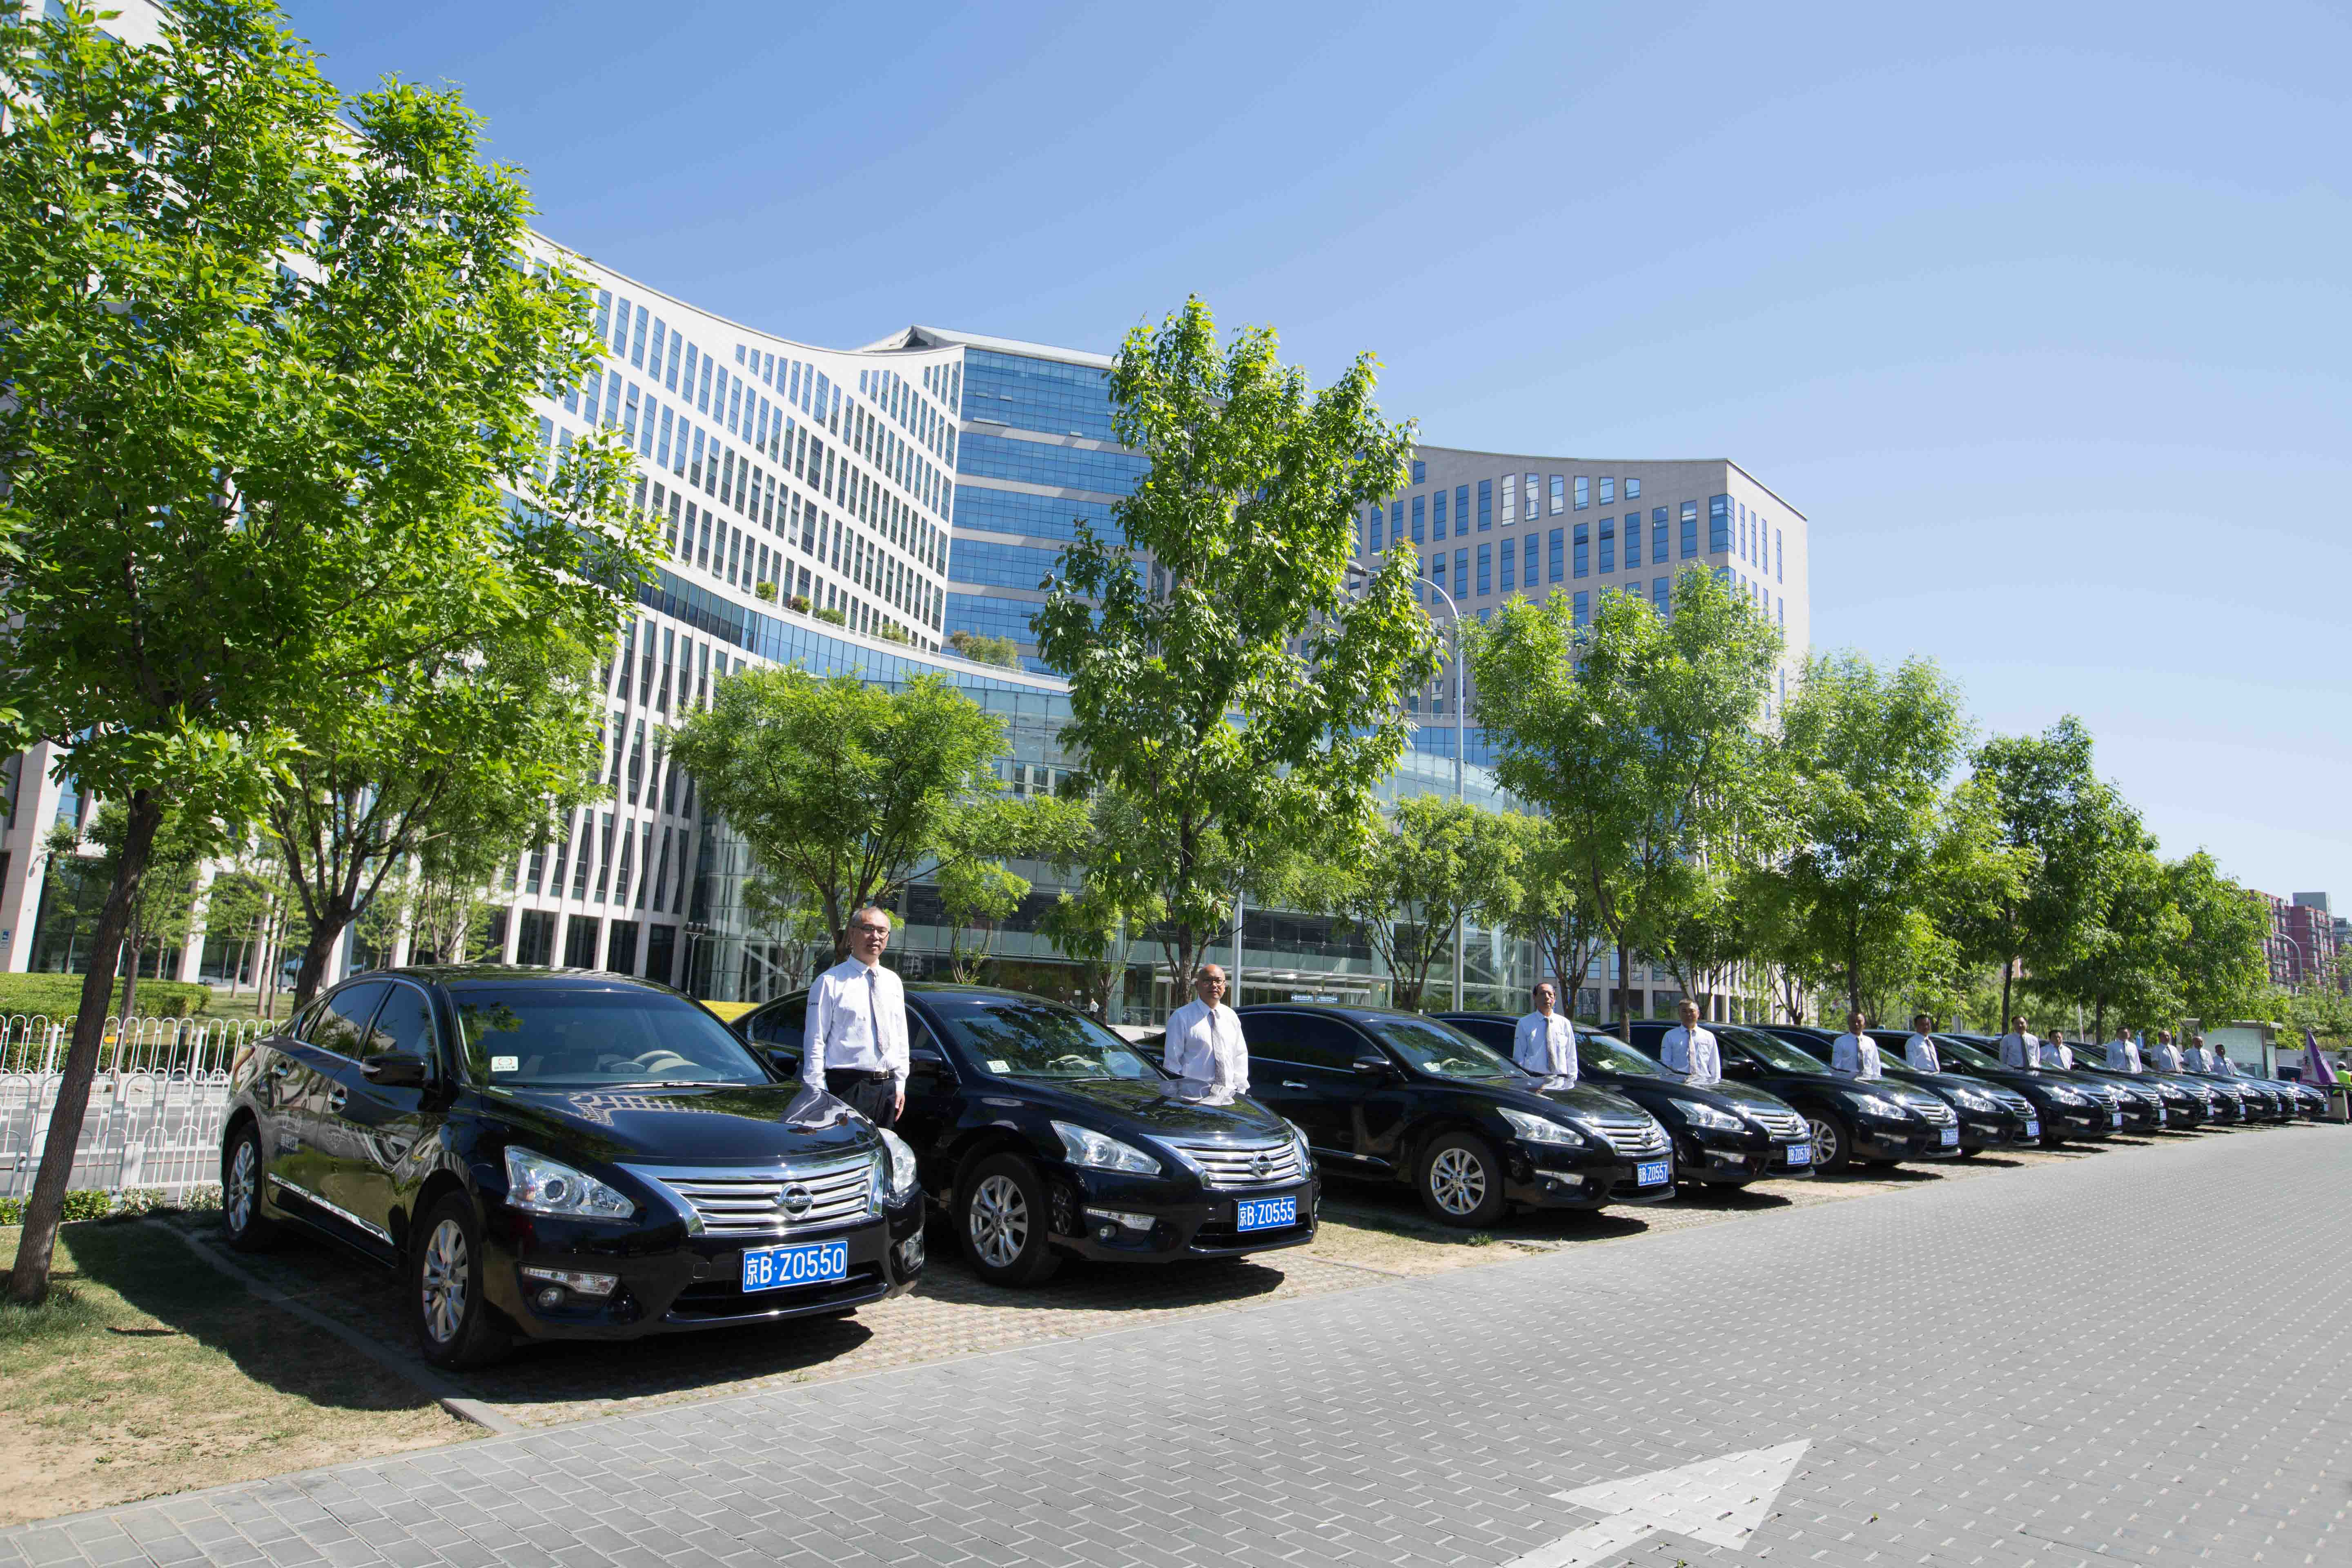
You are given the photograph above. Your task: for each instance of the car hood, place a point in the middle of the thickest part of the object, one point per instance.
(746, 1124)
(1147, 1103)
(1600, 1106)
(1737, 1095)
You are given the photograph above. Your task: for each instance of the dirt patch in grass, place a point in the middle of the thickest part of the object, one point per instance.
(147, 1371)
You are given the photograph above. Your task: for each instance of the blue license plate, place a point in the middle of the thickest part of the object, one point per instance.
(1951, 1139)
(1800, 1154)
(798, 1263)
(1265, 1214)
(1650, 1172)
(2033, 1129)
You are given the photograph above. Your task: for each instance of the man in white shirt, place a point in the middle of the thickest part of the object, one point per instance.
(2055, 1053)
(2123, 1055)
(1854, 1053)
(1690, 1050)
(2166, 1056)
(1206, 1050)
(854, 1046)
(2199, 1059)
(1919, 1051)
(1545, 1042)
(2222, 1065)
(2019, 1048)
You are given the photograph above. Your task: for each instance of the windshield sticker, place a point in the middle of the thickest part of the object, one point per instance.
(506, 1064)
(999, 1065)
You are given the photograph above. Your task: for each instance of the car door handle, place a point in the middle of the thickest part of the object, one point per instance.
(282, 1068)
(337, 1096)
(1292, 1083)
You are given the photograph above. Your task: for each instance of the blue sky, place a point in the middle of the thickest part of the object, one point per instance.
(2038, 312)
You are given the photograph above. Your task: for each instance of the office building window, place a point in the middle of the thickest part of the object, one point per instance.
(1779, 557)
(1584, 607)
(1420, 513)
(1485, 507)
(1510, 501)
(1510, 565)
(1608, 545)
(1437, 516)
(1661, 594)
(1420, 471)
(1718, 524)
(1657, 536)
(1558, 494)
(1530, 561)
(1583, 493)
(1584, 542)
(1535, 507)
(1372, 531)
(1486, 570)
(1559, 557)
(1462, 509)
(1396, 520)
(1633, 540)
(1437, 569)
(1632, 489)
(1461, 573)
(1608, 489)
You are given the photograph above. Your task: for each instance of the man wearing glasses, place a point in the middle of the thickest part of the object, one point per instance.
(1206, 1050)
(856, 1044)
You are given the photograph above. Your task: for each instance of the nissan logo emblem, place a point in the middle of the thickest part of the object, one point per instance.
(794, 1200)
(1262, 1166)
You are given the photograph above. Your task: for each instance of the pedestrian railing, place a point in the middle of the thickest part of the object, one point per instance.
(156, 1105)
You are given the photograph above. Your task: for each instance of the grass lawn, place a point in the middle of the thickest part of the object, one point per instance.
(148, 1371)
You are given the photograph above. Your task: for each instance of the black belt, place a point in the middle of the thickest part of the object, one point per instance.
(864, 1075)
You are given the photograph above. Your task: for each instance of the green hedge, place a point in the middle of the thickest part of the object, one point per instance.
(59, 997)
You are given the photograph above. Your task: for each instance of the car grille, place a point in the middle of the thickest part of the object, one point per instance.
(730, 1202)
(1936, 1113)
(1634, 1140)
(2015, 1104)
(1245, 1164)
(1785, 1125)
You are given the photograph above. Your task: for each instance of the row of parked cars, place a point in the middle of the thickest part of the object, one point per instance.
(561, 1154)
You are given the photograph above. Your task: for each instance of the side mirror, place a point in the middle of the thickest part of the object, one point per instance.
(924, 1065)
(1372, 1067)
(395, 1069)
(786, 1062)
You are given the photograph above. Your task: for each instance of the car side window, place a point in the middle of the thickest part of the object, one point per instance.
(782, 1025)
(341, 1027)
(1307, 1041)
(404, 1023)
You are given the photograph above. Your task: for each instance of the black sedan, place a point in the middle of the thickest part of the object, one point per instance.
(2075, 1106)
(558, 1154)
(1726, 1135)
(1990, 1116)
(1043, 1135)
(2154, 1102)
(1400, 1096)
(1879, 1122)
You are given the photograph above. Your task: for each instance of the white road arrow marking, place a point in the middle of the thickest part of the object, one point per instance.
(1720, 1501)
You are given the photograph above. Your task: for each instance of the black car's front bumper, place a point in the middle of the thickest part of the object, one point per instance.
(1094, 1215)
(1875, 1138)
(1718, 1158)
(1557, 1176)
(671, 1282)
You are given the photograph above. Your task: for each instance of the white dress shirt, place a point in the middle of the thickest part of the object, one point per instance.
(2055, 1054)
(1545, 1046)
(2122, 1055)
(1692, 1053)
(2020, 1051)
(2164, 1057)
(857, 1022)
(1919, 1054)
(1856, 1055)
(1206, 1052)
(2221, 1062)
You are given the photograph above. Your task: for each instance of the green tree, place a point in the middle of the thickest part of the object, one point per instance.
(1546, 904)
(978, 892)
(2124, 955)
(1248, 698)
(2221, 968)
(1863, 757)
(840, 788)
(1097, 923)
(986, 650)
(1639, 736)
(1436, 861)
(2043, 817)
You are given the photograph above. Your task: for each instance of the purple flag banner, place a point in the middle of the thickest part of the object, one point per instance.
(2314, 1066)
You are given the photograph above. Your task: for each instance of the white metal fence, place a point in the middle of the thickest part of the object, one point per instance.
(155, 1107)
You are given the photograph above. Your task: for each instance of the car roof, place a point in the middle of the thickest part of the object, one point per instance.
(528, 975)
(1334, 1009)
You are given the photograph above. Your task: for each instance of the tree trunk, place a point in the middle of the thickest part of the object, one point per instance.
(29, 1283)
(2098, 1018)
(131, 945)
(325, 933)
(1617, 1000)
(2008, 969)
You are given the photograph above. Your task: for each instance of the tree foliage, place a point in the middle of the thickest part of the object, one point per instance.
(1432, 864)
(1546, 904)
(1248, 698)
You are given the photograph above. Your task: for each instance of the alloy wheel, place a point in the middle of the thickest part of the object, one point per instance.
(445, 1281)
(1457, 1180)
(1000, 1221)
(242, 1188)
(1827, 1143)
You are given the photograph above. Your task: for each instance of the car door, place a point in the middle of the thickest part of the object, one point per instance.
(1302, 1065)
(777, 1032)
(323, 1057)
(375, 1124)
(934, 1095)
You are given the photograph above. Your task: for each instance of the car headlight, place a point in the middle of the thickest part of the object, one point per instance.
(1971, 1099)
(1098, 1151)
(902, 1166)
(1539, 1129)
(538, 1185)
(1298, 1142)
(2065, 1095)
(1712, 1117)
(1878, 1105)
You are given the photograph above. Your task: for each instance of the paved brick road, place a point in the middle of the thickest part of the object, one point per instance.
(2077, 1363)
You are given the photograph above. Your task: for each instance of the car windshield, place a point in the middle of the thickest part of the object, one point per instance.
(1015, 1037)
(593, 1036)
(1442, 1050)
(1774, 1053)
(1961, 1051)
(1605, 1053)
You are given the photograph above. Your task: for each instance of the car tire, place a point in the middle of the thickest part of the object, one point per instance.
(1968, 1153)
(1460, 1180)
(248, 1230)
(1833, 1141)
(1002, 1222)
(446, 1273)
